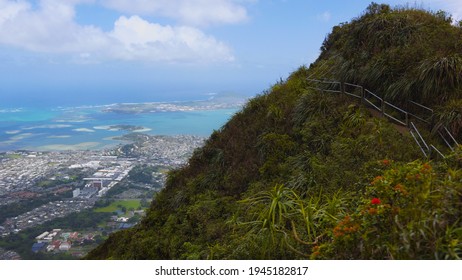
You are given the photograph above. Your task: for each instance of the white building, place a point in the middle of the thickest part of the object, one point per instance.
(65, 246)
(76, 193)
(41, 236)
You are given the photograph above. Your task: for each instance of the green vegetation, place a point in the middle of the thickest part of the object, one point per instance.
(123, 186)
(17, 208)
(22, 241)
(301, 174)
(401, 54)
(13, 156)
(142, 174)
(120, 205)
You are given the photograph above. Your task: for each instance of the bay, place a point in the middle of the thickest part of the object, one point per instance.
(95, 127)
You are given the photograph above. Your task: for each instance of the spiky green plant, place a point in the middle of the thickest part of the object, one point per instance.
(450, 116)
(440, 77)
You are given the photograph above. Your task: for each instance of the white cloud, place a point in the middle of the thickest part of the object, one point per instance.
(51, 28)
(194, 12)
(140, 39)
(10, 9)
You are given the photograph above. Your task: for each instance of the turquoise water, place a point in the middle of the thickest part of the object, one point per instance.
(88, 128)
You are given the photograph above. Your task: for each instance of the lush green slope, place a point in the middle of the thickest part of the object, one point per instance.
(400, 54)
(303, 174)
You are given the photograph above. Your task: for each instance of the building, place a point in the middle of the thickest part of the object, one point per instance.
(50, 248)
(9, 255)
(74, 236)
(56, 244)
(42, 236)
(37, 247)
(122, 219)
(88, 192)
(76, 193)
(65, 246)
(97, 184)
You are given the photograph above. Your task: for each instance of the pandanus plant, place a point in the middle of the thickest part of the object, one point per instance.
(440, 78)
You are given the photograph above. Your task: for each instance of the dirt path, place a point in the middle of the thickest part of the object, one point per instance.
(401, 129)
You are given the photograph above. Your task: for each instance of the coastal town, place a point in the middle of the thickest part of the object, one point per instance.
(39, 187)
(214, 102)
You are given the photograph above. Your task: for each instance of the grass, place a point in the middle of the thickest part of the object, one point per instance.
(13, 156)
(116, 205)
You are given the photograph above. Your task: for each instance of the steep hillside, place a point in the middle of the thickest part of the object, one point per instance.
(302, 173)
(401, 54)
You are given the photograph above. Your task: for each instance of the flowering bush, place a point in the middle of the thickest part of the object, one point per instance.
(375, 201)
(404, 214)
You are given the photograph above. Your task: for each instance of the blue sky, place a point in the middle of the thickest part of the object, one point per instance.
(149, 50)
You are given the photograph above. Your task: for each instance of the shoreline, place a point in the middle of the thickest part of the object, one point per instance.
(59, 132)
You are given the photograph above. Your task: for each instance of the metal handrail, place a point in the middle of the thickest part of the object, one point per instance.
(450, 135)
(445, 140)
(370, 102)
(365, 93)
(374, 95)
(438, 151)
(420, 136)
(339, 84)
(430, 114)
(351, 93)
(454, 141)
(406, 118)
(418, 143)
(420, 105)
(420, 118)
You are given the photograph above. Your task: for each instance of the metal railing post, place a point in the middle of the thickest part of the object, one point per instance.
(409, 115)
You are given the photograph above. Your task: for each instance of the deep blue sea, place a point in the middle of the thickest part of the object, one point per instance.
(46, 128)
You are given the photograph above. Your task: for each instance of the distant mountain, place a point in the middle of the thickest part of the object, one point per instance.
(307, 170)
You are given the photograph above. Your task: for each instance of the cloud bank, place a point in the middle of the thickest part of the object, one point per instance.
(191, 12)
(50, 27)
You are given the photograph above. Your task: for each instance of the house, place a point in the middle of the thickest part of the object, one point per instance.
(37, 247)
(74, 236)
(65, 246)
(41, 236)
(122, 219)
(89, 236)
(56, 244)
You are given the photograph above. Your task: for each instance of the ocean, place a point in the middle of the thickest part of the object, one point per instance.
(58, 128)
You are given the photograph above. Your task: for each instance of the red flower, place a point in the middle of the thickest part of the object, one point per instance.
(427, 166)
(375, 201)
(385, 162)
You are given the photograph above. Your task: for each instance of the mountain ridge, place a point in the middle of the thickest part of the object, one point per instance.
(299, 173)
